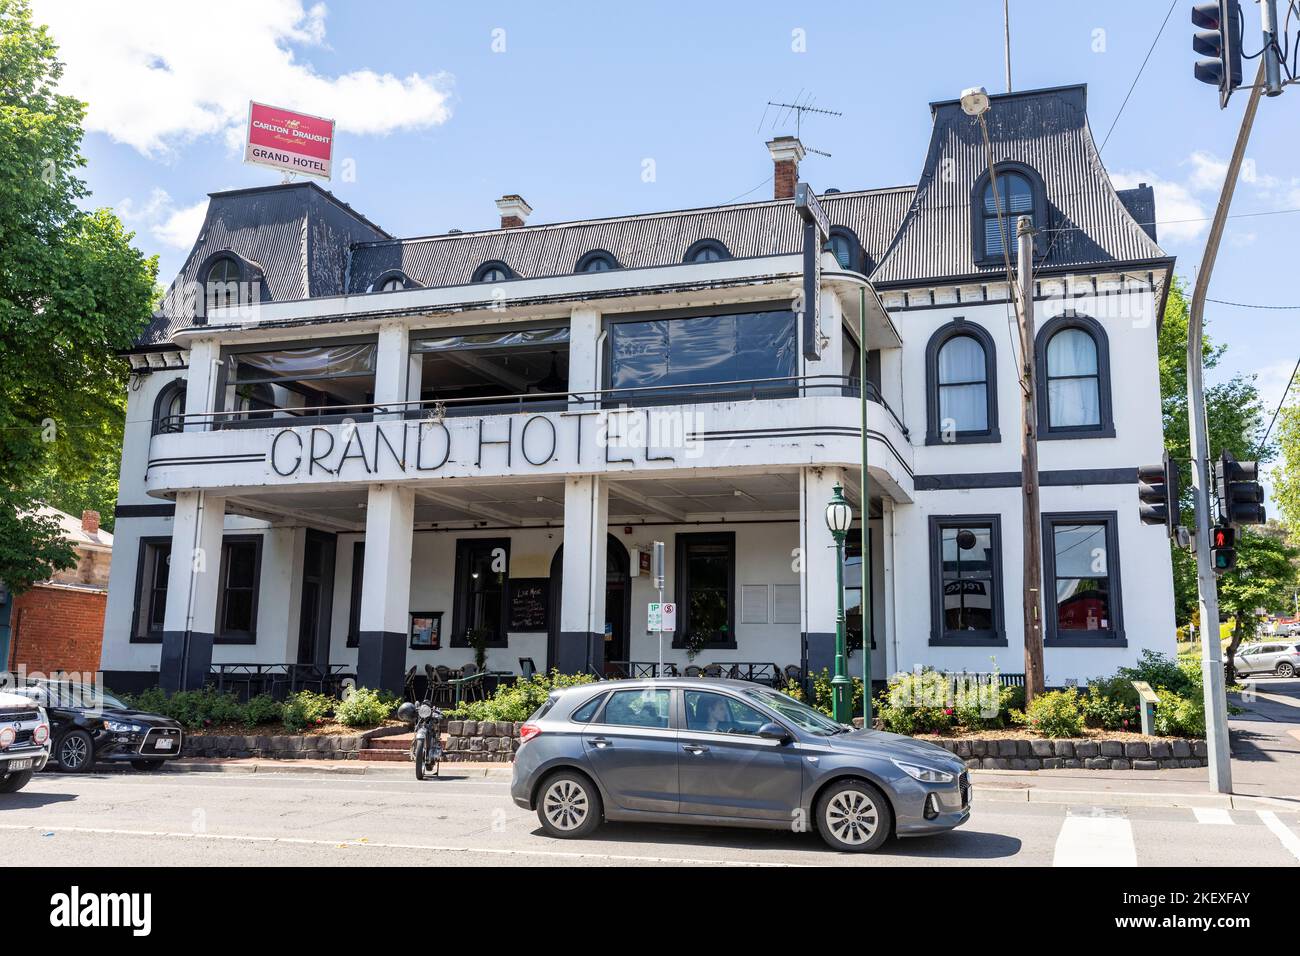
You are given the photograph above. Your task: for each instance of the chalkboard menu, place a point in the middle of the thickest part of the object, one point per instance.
(529, 602)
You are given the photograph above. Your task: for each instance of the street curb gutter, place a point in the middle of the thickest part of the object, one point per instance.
(348, 769)
(1111, 798)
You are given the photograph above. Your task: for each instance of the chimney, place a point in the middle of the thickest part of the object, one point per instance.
(90, 522)
(786, 152)
(514, 210)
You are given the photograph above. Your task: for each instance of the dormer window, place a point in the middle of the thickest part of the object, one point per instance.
(998, 203)
(843, 245)
(493, 271)
(221, 284)
(598, 260)
(393, 284)
(394, 281)
(706, 250)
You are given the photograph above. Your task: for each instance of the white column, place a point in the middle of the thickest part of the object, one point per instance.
(386, 587)
(817, 604)
(586, 365)
(890, 630)
(201, 382)
(580, 644)
(193, 575)
(393, 364)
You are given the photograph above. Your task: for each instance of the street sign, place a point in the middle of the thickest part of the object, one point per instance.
(815, 230)
(661, 617)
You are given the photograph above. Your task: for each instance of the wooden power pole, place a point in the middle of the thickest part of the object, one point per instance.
(1032, 549)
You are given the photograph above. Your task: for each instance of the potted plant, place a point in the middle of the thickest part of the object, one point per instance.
(478, 638)
(696, 642)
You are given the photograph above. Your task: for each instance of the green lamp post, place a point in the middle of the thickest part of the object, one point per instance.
(839, 516)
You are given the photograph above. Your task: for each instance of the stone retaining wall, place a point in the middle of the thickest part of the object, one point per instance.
(482, 741)
(277, 747)
(1167, 754)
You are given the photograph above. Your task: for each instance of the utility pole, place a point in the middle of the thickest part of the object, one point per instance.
(1032, 547)
(1006, 37)
(1216, 703)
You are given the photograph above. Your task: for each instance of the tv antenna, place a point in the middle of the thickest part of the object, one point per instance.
(798, 108)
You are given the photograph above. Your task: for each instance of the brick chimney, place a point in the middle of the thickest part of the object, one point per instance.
(90, 522)
(786, 152)
(514, 210)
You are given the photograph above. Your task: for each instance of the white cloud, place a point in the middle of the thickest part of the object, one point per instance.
(1207, 172)
(159, 74)
(1180, 216)
(177, 227)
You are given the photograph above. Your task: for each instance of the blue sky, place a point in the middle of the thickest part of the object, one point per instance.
(440, 121)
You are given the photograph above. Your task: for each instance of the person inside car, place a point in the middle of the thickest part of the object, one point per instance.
(716, 717)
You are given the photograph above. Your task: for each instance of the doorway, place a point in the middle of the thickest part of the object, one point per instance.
(317, 599)
(618, 605)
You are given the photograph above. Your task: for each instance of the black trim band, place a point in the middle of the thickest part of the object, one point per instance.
(1011, 479)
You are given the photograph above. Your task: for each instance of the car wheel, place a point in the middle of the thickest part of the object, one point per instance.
(569, 807)
(854, 817)
(1286, 669)
(146, 764)
(14, 782)
(75, 752)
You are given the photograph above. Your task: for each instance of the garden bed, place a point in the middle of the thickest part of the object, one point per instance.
(305, 746)
(1133, 752)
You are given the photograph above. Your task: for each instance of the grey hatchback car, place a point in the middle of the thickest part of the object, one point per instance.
(728, 753)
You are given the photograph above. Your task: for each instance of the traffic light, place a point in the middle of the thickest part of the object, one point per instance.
(1158, 494)
(1223, 549)
(1219, 41)
(1241, 499)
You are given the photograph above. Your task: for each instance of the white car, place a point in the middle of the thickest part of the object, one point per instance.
(24, 741)
(1282, 659)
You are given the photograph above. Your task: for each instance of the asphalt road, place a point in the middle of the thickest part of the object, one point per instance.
(267, 819)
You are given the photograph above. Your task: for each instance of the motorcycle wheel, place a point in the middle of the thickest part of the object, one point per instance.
(418, 753)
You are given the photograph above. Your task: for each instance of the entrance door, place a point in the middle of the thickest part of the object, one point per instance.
(317, 599)
(618, 602)
(616, 648)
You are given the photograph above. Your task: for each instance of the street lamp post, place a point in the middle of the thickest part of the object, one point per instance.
(838, 518)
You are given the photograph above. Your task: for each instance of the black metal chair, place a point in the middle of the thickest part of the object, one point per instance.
(408, 686)
(693, 671)
(792, 672)
(713, 670)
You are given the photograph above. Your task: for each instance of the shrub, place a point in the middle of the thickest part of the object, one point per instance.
(194, 709)
(1106, 712)
(517, 702)
(365, 708)
(1179, 716)
(917, 703)
(1056, 713)
(263, 709)
(306, 709)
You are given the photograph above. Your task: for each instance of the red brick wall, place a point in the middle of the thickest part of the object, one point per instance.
(55, 629)
(785, 178)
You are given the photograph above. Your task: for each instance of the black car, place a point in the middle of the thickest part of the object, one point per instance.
(89, 725)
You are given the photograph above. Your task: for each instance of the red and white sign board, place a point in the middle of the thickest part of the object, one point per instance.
(293, 142)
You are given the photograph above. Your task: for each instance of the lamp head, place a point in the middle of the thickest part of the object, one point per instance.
(975, 101)
(839, 516)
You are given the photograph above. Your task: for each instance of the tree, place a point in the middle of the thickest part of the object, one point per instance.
(1235, 420)
(73, 294)
(1264, 580)
(1285, 477)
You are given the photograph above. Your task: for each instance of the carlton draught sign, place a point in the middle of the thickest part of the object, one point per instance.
(293, 142)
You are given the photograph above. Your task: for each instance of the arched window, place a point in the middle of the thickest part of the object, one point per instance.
(961, 378)
(598, 260)
(1074, 379)
(706, 250)
(221, 284)
(843, 245)
(493, 271)
(392, 284)
(169, 407)
(1015, 191)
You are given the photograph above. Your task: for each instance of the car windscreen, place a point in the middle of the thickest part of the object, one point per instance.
(801, 715)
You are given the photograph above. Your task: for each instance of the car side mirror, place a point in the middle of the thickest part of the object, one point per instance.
(774, 731)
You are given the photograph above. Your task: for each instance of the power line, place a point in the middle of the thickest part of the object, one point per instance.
(1255, 305)
(1134, 84)
(1282, 401)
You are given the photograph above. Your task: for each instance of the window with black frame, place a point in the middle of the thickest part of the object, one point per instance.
(486, 369)
(732, 356)
(310, 381)
(240, 575)
(1081, 564)
(706, 582)
(482, 566)
(151, 596)
(354, 606)
(853, 589)
(966, 569)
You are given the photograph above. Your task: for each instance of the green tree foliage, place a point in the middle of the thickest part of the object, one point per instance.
(1236, 421)
(1285, 478)
(73, 293)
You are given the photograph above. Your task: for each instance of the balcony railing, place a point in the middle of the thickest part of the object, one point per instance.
(739, 390)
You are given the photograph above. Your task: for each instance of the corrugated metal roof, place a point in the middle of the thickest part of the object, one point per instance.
(749, 229)
(1046, 130)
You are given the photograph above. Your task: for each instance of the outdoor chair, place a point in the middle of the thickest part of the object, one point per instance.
(793, 672)
(713, 670)
(693, 671)
(408, 686)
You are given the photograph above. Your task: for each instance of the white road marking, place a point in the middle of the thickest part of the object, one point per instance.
(431, 847)
(1095, 838)
(1212, 816)
(1281, 831)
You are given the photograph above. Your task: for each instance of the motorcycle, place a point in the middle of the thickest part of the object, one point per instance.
(426, 746)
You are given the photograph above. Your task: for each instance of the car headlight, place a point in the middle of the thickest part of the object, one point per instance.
(924, 774)
(425, 711)
(118, 727)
